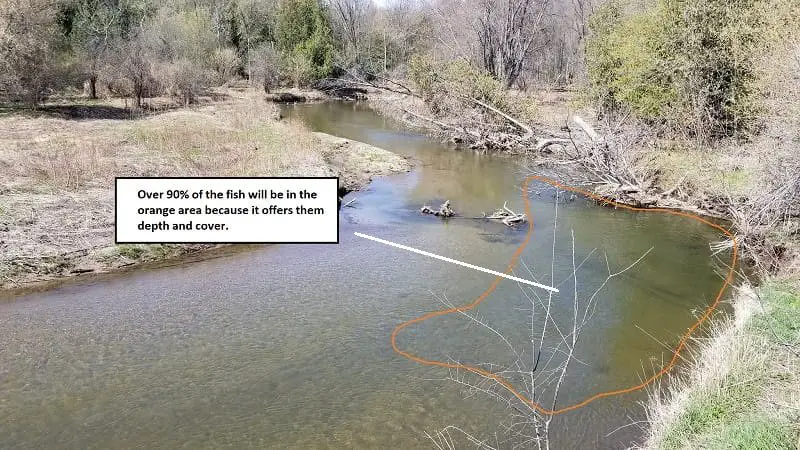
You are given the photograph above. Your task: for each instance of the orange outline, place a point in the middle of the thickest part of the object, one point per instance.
(502, 381)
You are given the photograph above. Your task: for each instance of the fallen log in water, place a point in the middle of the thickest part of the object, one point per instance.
(444, 210)
(504, 214)
(507, 216)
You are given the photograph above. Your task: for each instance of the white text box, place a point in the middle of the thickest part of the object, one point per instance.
(227, 210)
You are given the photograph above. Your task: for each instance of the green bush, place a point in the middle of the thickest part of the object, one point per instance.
(304, 36)
(685, 63)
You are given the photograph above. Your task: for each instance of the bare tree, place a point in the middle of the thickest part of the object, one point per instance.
(135, 63)
(407, 24)
(529, 384)
(351, 18)
(506, 31)
(496, 35)
(28, 49)
(266, 68)
(96, 25)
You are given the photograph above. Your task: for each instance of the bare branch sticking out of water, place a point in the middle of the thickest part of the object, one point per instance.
(507, 216)
(533, 374)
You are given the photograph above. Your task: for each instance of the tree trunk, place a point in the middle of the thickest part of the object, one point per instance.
(139, 89)
(93, 87)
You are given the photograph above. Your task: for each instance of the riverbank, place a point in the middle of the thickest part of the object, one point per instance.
(754, 183)
(742, 388)
(57, 169)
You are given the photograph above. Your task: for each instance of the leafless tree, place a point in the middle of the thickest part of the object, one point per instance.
(28, 48)
(507, 30)
(135, 64)
(497, 35)
(404, 29)
(351, 18)
(265, 62)
(408, 23)
(534, 378)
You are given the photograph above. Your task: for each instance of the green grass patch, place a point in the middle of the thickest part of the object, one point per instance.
(140, 252)
(781, 321)
(745, 396)
(131, 251)
(736, 178)
(710, 409)
(752, 433)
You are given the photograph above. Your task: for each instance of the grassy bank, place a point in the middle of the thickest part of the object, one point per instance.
(58, 163)
(742, 388)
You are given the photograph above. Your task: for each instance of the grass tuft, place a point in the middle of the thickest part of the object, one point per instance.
(711, 409)
(782, 324)
(752, 433)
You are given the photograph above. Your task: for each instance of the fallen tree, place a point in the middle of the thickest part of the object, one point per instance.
(443, 211)
(507, 216)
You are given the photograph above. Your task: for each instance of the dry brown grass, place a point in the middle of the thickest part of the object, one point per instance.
(240, 140)
(57, 174)
(58, 184)
(233, 138)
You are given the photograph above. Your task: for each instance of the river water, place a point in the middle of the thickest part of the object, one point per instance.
(288, 346)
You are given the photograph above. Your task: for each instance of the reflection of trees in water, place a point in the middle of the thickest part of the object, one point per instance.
(473, 182)
(664, 296)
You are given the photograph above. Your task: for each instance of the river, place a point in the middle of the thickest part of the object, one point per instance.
(287, 346)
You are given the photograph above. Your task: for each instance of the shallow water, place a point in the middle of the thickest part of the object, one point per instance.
(288, 346)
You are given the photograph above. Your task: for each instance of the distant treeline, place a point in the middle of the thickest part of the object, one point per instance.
(141, 48)
(695, 64)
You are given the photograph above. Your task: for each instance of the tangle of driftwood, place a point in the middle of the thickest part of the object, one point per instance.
(505, 214)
